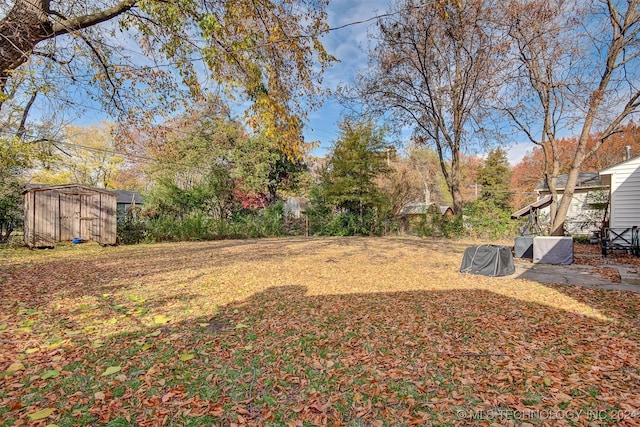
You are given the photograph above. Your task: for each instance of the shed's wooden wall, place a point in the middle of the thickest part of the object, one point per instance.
(63, 213)
(108, 225)
(40, 222)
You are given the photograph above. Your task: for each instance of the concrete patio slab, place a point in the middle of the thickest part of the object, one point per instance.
(577, 274)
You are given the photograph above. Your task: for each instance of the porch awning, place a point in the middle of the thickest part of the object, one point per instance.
(539, 204)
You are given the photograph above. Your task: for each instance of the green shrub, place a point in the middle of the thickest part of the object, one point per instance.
(485, 219)
(248, 224)
(581, 238)
(131, 230)
(267, 222)
(323, 222)
(194, 227)
(434, 224)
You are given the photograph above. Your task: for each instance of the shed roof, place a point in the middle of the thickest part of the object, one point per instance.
(64, 187)
(422, 208)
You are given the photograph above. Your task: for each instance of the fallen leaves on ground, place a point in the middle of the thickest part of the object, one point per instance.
(591, 255)
(293, 332)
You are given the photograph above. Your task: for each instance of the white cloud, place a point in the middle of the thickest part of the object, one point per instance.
(516, 152)
(349, 44)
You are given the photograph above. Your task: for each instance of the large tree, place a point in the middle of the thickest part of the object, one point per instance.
(576, 70)
(192, 174)
(433, 68)
(494, 177)
(349, 181)
(424, 162)
(262, 169)
(15, 156)
(133, 55)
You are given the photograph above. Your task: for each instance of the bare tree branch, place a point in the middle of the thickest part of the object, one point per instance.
(25, 113)
(86, 21)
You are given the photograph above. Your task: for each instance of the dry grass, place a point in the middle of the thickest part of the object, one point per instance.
(345, 331)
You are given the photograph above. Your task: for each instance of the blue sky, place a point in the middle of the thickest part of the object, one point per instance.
(349, 45)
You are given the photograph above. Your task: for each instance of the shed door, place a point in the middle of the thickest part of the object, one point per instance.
(69, 217)
(90, 217)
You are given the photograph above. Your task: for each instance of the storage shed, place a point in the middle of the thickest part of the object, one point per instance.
(66, 212)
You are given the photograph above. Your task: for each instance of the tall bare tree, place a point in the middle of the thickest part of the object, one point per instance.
(433, 68)
(577, 71)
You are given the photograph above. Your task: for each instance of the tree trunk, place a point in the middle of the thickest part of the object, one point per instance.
(427, 194)
(625, 33)
(572, 179)
(22, 29)
(454, 184)
(30, 22)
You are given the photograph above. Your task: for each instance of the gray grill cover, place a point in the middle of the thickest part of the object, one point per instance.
(553, 250)
(523, 247)
(488, 260)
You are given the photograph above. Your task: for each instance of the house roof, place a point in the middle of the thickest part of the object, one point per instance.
(538, 204)
(611, 169)
(127, 197)
(585, 180)
(422, 208)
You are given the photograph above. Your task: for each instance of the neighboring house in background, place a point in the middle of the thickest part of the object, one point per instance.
(585, 214)
(125, 200)
(58, 213)
(415, 210)
(295, 207)
(623, 180)
(420, 217)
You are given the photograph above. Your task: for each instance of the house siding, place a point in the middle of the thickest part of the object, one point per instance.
(581, 218)
(625, 194)
(576, 216)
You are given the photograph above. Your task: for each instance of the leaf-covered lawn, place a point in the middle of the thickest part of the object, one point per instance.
(305, 331)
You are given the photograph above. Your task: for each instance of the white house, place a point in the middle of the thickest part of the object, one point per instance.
(583, 216)
(624, 186)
